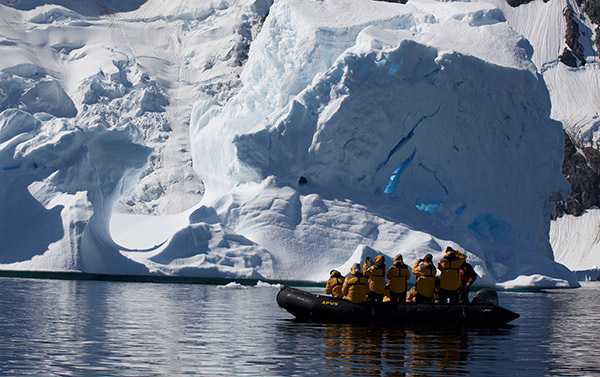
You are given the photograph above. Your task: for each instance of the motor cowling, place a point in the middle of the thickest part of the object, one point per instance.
(486, 296)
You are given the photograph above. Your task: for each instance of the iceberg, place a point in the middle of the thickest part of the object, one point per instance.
(468, 123)
(354, 128)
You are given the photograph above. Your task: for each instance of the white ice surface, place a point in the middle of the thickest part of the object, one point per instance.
(341, 92)
(576, 240)
(394, 97)
(575, 92)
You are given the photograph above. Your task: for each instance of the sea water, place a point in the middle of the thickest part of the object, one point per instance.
(99, 328)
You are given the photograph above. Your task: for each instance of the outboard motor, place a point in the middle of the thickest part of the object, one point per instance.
(486, 296)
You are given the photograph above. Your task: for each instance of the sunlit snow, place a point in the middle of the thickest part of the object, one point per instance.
(348, 128)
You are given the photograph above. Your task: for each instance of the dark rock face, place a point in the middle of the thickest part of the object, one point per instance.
(572, 56)
(516, 3)
(568, 58)
(581, 167)
(592, 9)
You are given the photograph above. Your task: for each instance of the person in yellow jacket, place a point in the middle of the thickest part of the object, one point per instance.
(335, 284)
(424, 288)
(356, 286)
(375, 271)
(386, 293)
(398, 274)
(450, 281)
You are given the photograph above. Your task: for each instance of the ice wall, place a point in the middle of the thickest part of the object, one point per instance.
(430, 128)
(59, 183)
(356, 127)
(94, 110)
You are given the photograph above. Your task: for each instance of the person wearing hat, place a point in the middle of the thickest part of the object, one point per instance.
(335, 284)
(356, 286)
(375, 271)
(450, 281)
(398, 274)
(425, 286)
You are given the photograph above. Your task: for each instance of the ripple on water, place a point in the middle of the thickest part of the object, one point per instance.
(92, 328)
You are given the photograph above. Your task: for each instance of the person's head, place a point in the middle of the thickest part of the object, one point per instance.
(398, 259)
(428, 258)
(379, 259)
(334, 273)
(450, 250)
(355, 269)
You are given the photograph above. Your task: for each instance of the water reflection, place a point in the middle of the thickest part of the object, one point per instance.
(353, 350)
(574, 327)
(396, 351)
(362, 350)
(60, 328)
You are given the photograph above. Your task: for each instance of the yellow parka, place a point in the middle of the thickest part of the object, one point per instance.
(412, 296)
(356, 288)
(425, 272)
(376, 275)
(398, 274)
(334, 286)
(448, 265)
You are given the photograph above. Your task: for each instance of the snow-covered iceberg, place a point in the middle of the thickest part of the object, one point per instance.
(430, 128)
(359, 127)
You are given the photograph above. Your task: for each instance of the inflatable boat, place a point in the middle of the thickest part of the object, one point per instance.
(310, 307)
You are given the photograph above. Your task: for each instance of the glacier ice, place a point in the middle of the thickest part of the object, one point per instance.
(337, 94)
(476, 131)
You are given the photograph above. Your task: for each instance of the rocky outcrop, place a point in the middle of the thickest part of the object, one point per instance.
(592, 9)
(516, 3)
(573, 55)
(581, 167)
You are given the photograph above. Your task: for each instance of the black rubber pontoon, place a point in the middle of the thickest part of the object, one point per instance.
(306, 306)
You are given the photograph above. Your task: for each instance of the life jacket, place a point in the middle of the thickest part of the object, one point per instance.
(449, 265)
(376, 275)
(398, 275)
(425, 278)
(334, 286)
(356, 288)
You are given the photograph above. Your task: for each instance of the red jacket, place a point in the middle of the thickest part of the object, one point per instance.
(467, 274)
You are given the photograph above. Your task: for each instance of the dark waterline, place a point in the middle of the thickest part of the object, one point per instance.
(100, 328)
(75, 275)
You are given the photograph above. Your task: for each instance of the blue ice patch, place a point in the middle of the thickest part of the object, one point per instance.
(427, 207)
(488, 227)
(393, 181)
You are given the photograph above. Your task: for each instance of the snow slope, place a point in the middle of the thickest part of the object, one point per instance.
(354, 128)
(574, 91)
(575, 98)
(586, 230)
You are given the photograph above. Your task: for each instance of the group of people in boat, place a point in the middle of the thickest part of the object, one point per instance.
(376, 283)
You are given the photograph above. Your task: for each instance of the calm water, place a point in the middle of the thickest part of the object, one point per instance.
(92, 328)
